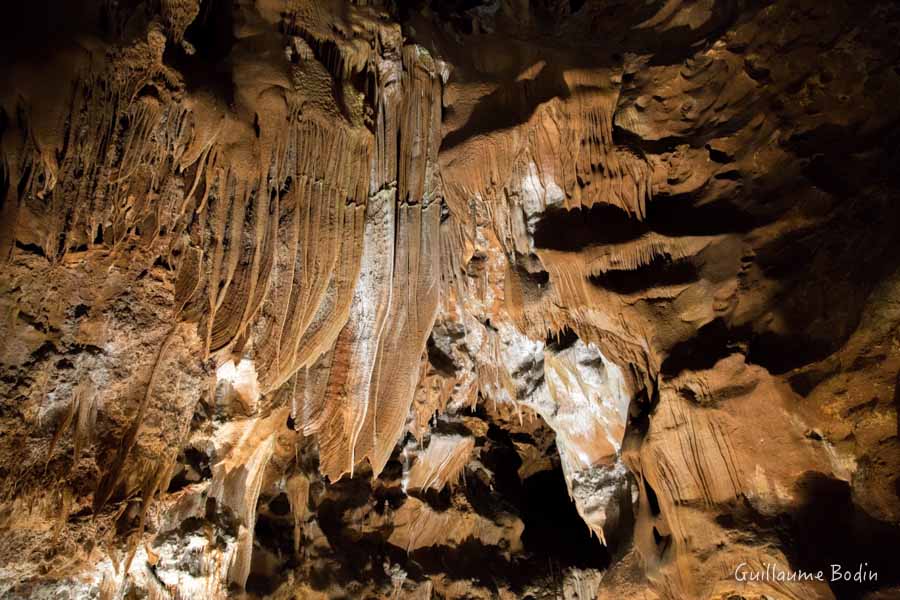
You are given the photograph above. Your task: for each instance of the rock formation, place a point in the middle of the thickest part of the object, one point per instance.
(449, 299)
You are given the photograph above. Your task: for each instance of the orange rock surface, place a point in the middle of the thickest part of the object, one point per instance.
(449, 299)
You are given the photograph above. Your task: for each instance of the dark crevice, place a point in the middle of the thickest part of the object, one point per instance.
(439, 500)
(679, 216)
(31, 249)
(642, 146)
(559, 341)
(780, 353)
(662, 541)
(757, 72)
(439, 359)
(652, 499)
(32, 321)
(553, 527)
(569, 230)
(44, 351)
(673, 216)
(280, 505)
(193, 467)
(702, 351)
(273, 539)
(718, 156)
(642, 406)
(661, 271)
(470, 560)
(539, 278)
(728, 175)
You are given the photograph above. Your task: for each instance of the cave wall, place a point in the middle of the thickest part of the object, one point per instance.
(314, 299)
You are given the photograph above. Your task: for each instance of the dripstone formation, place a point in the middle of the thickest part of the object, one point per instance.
(320, 299)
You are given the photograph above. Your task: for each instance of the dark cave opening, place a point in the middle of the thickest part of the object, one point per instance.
(554, 531)
(570, 230)
(559, 341)
(553, 527)
(193, 466)
(555, 538)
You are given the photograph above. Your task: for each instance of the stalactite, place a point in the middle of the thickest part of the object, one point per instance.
(297, 488)
(441, 463)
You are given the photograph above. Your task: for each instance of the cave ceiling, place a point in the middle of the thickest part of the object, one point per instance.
(469, 299)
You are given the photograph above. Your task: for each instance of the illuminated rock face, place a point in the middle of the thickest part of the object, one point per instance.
(319, 299)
